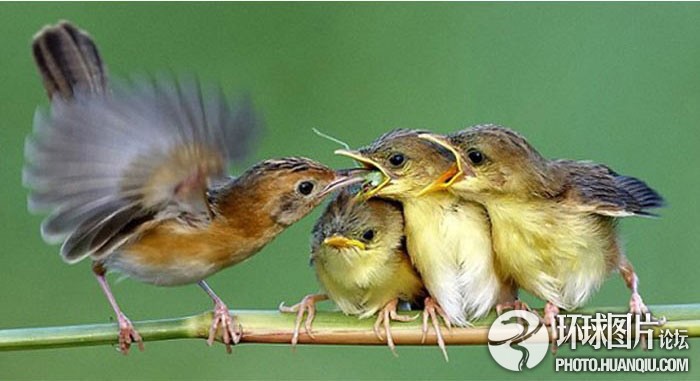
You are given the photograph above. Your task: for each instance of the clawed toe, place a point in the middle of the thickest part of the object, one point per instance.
(384, 318)
(431, 311)
(128, 335)
(306, 306)
(231, 329)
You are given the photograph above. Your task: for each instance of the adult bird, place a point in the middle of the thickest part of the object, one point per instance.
(136, 178)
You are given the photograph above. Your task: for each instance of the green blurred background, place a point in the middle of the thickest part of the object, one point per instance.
(615, 83)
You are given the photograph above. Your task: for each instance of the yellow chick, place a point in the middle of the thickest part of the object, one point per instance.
(358, 252)
(448, 238)
(554, 222)
(359, 255)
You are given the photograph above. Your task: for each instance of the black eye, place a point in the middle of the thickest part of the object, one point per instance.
(368, 235)
(305, 187)
(475, 157)
(397, 159)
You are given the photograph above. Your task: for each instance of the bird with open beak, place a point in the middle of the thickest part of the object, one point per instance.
(448, 238)
(553, 222)
(136, 178)
(359, 254)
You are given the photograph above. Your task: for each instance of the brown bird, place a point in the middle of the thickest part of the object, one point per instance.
(359, 254)
(448, 238)
(554, 222)
(137, 181)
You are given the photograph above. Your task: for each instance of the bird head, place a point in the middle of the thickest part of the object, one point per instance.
(489, 159)
(406, 162)
(351, 228)
(289, 188)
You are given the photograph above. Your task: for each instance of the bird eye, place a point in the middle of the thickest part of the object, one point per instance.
(305, 187)
(368, 235)
(475, 157)
(397, 159)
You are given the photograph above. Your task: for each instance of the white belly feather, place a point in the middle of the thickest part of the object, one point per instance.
(449, 242)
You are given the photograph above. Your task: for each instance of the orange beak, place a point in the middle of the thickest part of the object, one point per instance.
(452, 174)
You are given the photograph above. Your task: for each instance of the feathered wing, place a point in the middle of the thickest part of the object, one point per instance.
(105, 165)
(68, 59)
(599, 189)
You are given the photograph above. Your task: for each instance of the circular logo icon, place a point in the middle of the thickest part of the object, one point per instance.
(518, 340)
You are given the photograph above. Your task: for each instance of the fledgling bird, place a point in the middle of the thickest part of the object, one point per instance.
(359, 254)
(448, 238)
(136, 179)
(554, 222)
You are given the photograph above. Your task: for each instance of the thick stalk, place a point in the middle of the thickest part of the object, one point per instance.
(275, 327)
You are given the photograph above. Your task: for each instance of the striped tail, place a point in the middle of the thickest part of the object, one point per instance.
(68, 60)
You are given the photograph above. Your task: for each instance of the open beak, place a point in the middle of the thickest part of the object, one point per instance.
(343, 179)
(453, 174)
(367, 164)
(340, 242)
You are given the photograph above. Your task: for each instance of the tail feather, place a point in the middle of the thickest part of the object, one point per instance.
(68, 59)
(642, 197)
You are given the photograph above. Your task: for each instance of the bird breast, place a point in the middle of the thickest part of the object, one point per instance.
(558, 255)
(449, 242)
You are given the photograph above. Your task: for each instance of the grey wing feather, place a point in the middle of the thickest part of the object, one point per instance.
(603, 191)
(100, 163)
(68, 59)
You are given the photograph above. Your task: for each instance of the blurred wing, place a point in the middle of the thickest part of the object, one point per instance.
(598, 189)
(105, 165)
(67, 60)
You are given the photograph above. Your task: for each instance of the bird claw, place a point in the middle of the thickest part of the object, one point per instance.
(431, 311)
(550, 314)
(637, 306)
(231, 329)
(127, 335)
(384, 318)
(306, 306)
(639, 309)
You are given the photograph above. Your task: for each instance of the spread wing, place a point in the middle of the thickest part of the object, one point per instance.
(104, 165)
(598, 189)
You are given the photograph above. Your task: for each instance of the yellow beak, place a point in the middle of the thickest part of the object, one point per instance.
(370, 164)
(453, 174)
(340, 242)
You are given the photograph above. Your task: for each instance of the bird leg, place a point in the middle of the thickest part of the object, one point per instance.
(550, 318)
(432, 309)
(308, 304)
(232, 330)
(385, 316)
(514, 305)
(127, 333)
(637, 306)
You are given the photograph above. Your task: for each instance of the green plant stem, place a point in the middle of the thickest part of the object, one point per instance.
(275, 327)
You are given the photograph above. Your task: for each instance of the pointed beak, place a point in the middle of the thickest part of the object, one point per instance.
(443, 182)
(342, 179)
(368, 164)
(453, 174)
(340, 242)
